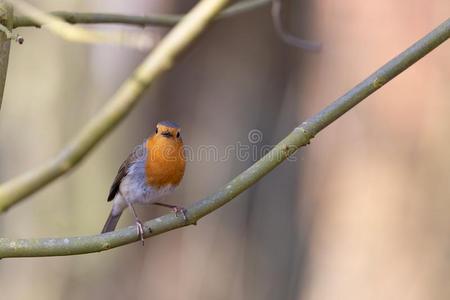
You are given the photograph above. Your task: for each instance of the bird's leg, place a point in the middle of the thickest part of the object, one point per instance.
(179, 210)
(139, 226)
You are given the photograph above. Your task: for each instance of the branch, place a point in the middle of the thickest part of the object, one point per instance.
(6, 13)
(299, 137)
(148, 20)
(287, 37)
(156, 63)
(73, 33)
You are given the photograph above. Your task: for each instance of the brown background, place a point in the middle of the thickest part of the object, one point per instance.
(363, 212)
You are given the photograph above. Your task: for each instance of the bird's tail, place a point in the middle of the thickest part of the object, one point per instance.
(111, 223)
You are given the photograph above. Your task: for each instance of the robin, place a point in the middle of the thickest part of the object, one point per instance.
(152, 170)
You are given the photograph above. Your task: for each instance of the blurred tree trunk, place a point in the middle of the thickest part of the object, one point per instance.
(378, 176)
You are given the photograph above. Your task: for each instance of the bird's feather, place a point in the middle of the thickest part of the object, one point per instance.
(137, 154)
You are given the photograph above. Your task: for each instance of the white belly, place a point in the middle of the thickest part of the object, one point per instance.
(135, 189)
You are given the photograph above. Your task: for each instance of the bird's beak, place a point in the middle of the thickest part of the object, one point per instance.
(166, 134)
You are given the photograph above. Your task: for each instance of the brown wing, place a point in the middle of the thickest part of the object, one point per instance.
(134, 156)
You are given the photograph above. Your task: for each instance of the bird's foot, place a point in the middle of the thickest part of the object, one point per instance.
(180, 211)
(140, 230)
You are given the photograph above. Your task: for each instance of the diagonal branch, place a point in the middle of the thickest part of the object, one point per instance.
(165, 20)
(156, 63)
(299, 137)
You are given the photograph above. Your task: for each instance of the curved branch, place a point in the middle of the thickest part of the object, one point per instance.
(157, 62)
(300, 136)
(165, 20)
(287, 37)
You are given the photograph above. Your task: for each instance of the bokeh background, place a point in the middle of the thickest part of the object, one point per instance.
(363, 212)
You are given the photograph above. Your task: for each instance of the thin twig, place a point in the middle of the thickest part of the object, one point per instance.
(11, 35)
(165, 20)
(287, 37)
(73, 33)
(157, 62)
(299, 137)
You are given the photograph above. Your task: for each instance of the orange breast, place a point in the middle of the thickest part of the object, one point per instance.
(165, 161)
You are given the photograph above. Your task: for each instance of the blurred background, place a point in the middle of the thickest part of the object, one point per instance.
(362, 213)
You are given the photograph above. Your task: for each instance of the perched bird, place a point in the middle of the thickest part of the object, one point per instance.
(152, 170)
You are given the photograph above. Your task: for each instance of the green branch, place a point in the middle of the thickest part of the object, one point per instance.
(158, 61)
(299, 137)
(147, 20)
(6, 13)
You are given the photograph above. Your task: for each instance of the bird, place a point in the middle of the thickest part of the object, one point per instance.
(152, 170)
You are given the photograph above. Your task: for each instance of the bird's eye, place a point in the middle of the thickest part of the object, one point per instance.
(178, 134)
(156, 131)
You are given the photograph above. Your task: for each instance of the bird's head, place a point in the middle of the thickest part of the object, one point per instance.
(168, 130)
